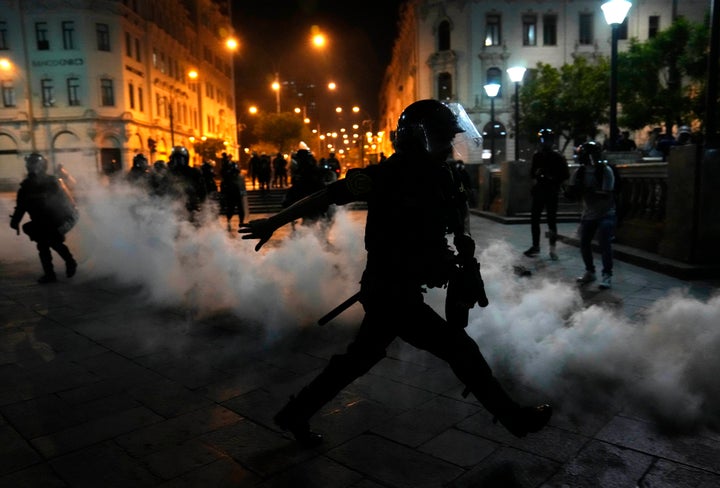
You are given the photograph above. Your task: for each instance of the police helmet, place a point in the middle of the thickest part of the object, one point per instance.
(546, 137)
(179, 156)
(426, 126)
(589, 152)
(36, 164)
(140, 162)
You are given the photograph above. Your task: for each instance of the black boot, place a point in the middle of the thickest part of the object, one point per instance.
(70, 268)
(291, 419)
(47, 265)
(47, 278)
(520, 421)
(525, 420)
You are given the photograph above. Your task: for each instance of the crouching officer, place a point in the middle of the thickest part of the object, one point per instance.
(414, 201)
(52, 214)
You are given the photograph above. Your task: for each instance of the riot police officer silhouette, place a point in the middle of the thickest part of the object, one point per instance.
(52, 214)
(548, 171)
(187, 182)
(414, 202)
(139, 173)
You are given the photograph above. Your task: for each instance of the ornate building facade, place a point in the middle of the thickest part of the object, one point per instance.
(450, 49)
(91, 83)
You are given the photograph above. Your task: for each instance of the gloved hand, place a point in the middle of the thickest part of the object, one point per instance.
(261, 229)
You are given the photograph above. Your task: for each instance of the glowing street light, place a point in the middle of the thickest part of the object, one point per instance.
(615, 12)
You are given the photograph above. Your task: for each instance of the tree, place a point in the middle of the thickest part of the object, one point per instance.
(570, 100)
(650, 79)
(209, 148)
(280, 129)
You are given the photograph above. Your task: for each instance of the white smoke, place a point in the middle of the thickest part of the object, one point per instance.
(537, 330)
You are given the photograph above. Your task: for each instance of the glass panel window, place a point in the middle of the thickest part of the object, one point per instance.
(128, 45)
(138, 54)
(492, 30)
(8, 93)
(107, 93)
(494, 75)
(550, 30)
(529, 30)
(73, 89)
(68, 33)
(653, 26)
(103, 37)
(48, 92)
(141, 103)
(3, 36)
(41, 36)
(131, 95)
(585, 26)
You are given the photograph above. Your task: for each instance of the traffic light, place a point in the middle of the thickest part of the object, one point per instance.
(152, 144)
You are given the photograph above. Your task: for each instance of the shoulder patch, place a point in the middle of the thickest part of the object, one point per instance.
(358, 183)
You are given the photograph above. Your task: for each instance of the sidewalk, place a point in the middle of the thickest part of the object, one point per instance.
(103, 386)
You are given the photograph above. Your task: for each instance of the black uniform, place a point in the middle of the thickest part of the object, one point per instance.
(414, 200)
(412, 206)
(549, 169)
(51, 215)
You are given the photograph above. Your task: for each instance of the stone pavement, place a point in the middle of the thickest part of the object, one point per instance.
(84, 402)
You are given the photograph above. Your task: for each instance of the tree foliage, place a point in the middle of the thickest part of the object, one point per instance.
(656, 78)
(282, 130)
(570, 100)
(209, 148)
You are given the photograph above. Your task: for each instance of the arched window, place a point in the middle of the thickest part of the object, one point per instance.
(444, 88)
(444, 36)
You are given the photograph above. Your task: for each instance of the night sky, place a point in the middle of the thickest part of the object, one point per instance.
(274, 36)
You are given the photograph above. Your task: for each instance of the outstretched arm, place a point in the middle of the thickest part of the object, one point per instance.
(262, 229)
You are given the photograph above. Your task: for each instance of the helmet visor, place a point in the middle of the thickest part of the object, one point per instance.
(467, 139)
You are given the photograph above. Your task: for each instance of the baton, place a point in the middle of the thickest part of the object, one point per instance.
(339, 309)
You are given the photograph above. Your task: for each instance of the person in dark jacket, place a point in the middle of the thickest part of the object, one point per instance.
(187, 182)
(549, 170)
(233, 193)
(414, 201)
(52, 214)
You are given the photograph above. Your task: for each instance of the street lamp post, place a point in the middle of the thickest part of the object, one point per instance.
(614, 12)
(516, 75)
(492, 90)
(276, 86)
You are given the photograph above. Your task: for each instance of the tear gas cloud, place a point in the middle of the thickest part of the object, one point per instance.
(535, 330)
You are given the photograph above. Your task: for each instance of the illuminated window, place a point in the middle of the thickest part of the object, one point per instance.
(107, 92)
(8, 93)
(48, 92)
(529, 30)
(73, 90)
(492, 30)
(68, 33)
